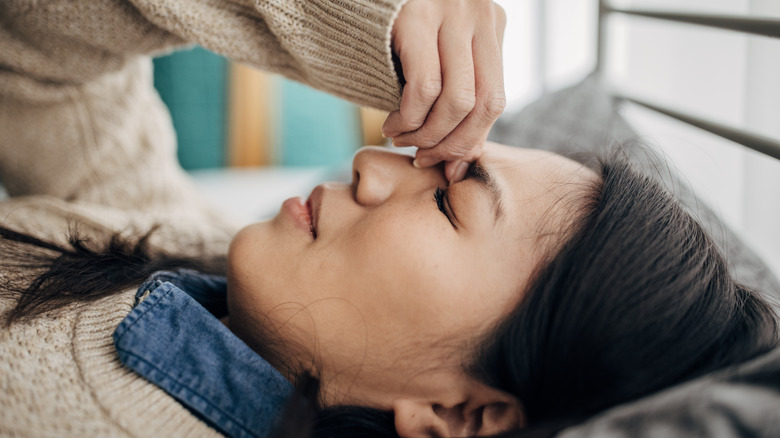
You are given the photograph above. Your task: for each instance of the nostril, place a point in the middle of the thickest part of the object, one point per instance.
(355, 182)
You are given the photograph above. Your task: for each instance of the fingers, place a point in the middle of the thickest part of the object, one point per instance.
(500, 19)
(464, 143)
(458, 94)
(417, 48)
(454, 171)
(422, 88)
(451, 56)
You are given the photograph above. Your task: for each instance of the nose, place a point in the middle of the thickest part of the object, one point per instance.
(379, 173)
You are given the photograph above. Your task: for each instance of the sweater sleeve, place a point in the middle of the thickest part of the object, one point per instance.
(80, 120)
(339, 46)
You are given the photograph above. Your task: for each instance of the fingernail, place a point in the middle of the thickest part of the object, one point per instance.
(458, 172)
(421, 162)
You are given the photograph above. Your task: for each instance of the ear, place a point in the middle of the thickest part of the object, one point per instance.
(487, 412)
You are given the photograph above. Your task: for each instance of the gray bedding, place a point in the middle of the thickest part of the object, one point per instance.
(740, 401)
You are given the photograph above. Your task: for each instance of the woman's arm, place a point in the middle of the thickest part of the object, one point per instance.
(340, 46)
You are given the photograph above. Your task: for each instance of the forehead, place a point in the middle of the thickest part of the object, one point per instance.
(500, 156)
(539, 189)
(523, 170)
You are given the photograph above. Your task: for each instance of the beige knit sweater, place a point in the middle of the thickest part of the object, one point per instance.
(85, 139)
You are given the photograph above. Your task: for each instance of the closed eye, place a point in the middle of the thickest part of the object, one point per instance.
(440, 196)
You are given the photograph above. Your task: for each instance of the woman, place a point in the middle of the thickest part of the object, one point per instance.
(555, 278)
(575, 293)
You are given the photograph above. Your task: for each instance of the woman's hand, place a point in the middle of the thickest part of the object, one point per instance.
(450, 52)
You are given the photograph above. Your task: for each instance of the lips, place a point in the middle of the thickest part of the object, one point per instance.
(314, 204)
(304, 213)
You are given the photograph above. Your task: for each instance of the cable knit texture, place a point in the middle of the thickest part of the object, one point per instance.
(85, 139)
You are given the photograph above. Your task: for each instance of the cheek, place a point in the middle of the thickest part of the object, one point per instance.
(406, 273)
(407, 251)
(430, 280)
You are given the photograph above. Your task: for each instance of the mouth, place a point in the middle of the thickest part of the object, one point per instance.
(314, 204)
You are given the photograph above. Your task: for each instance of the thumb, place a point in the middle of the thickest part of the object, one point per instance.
(455, 171)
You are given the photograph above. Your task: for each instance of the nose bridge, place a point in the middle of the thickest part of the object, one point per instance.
(378, 173)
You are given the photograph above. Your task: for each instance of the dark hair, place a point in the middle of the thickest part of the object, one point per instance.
(44, 276)
(638, 299)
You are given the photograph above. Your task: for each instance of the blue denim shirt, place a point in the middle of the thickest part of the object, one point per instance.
(173, 338)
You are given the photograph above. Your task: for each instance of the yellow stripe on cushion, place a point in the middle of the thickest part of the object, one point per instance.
(372, 120)
(249, 131)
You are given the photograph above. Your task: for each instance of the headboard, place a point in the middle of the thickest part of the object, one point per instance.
(769, 27)
(705, 73)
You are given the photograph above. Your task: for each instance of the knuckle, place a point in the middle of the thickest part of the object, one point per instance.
(429, 89)
(456, 151)
(427, 141)
(494, 105)
(412, 121)
(468, 148)
(472, 154)
(415, 123)
(463, 102)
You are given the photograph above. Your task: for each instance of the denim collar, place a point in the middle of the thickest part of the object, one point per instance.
(173, 339)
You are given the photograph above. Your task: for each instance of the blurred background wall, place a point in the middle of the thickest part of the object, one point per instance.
(230, 115)
(723, 76)
(227, 114)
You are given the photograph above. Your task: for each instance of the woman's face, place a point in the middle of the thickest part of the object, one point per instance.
(384, 281)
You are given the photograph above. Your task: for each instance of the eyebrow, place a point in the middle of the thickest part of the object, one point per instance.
(485, 179)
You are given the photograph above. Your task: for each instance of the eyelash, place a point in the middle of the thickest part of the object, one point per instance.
(440, 196)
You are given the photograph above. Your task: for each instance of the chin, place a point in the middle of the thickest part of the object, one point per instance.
(246, 247)
(262, 254)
